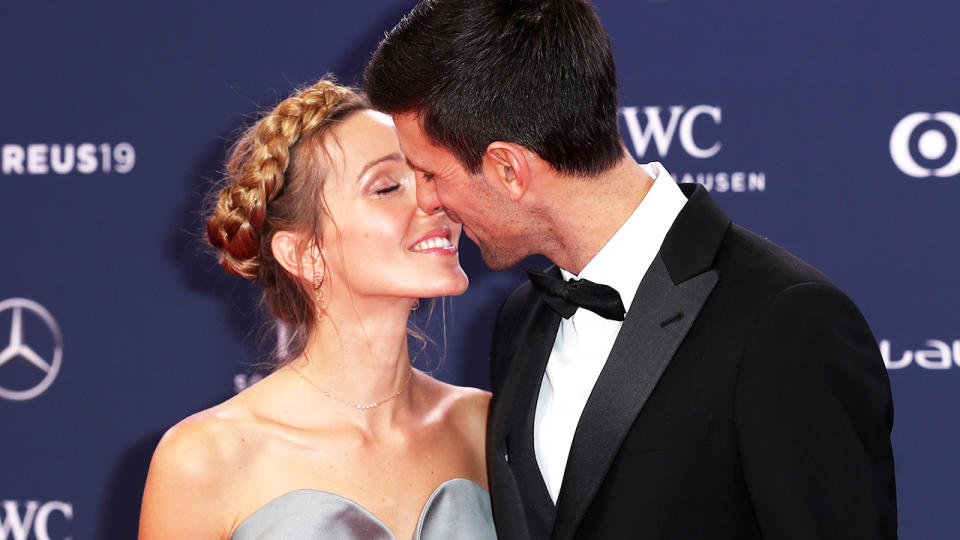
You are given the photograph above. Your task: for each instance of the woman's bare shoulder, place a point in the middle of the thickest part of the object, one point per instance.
(464, 403)
(471, 404)
(464, 408)
(189, 481)
(198, 444)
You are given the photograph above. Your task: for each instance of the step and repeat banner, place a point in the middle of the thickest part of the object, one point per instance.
(830, 127)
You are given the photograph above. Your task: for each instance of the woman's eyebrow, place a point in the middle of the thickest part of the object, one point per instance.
(395, 156)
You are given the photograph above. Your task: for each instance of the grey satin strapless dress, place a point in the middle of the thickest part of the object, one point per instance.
(458, 508)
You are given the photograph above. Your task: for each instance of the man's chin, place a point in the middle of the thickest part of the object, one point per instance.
(498, 259)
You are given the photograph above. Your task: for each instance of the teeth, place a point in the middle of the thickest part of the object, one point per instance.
(432, 243)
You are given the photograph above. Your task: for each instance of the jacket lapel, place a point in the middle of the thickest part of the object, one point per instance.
(665, 306)
(532, 342)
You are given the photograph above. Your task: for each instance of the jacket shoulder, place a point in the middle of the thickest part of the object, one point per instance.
(761, 264)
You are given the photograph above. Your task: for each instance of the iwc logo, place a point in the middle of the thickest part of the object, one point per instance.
(16, 525)
(39, 355)
(924, 144)
(697, 129)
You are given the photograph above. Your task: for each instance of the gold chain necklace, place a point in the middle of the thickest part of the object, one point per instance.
(354, 405)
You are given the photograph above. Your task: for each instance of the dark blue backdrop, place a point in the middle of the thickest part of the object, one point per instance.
(801, 117)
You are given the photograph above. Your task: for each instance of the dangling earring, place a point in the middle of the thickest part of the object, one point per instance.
(416, 305)
(319, 303)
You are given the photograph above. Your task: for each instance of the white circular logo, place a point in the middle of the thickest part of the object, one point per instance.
(924, 144)
(18, 348)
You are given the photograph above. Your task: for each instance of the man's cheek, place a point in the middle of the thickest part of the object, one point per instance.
(452, 215)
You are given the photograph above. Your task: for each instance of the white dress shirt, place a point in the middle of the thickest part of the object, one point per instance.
(584, 340)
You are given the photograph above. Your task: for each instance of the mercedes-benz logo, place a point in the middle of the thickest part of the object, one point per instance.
(17, 348)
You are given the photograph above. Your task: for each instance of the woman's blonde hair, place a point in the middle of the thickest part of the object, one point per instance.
(274, 182)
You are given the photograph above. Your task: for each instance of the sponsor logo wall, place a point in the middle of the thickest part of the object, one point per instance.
(18, 348)
(935, 354)
(86, 158)
(652, 130)
(925, 144)
(806, 122)
(33, 519)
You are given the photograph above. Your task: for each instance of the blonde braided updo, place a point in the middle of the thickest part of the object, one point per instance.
(274, 179)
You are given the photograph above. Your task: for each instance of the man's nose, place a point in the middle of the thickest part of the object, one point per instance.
(427, 198)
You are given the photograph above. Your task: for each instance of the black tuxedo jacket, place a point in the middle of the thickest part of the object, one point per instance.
(744, 398)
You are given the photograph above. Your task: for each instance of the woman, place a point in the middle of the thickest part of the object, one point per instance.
(346, 440)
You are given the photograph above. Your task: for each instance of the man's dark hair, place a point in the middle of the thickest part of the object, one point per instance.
(538, 73)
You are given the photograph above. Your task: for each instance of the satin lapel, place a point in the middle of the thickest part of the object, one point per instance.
(648, 339)
(534, 340)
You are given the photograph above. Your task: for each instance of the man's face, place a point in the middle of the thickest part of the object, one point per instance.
(444, 184)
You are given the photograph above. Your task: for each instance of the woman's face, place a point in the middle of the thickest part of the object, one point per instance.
(376, 240)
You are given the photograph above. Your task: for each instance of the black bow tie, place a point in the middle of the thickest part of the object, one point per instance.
(566, 296)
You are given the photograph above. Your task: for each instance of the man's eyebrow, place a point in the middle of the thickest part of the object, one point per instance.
(395, 156)
(416, 167)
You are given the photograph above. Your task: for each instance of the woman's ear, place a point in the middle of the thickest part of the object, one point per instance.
(287, 247)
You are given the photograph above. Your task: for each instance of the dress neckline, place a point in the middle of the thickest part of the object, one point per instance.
(354, 504)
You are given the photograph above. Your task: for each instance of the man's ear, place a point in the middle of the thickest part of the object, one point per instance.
(287, 247)
(507, 166)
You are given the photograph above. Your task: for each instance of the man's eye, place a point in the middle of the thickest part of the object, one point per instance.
(428, 176)
(388, 189)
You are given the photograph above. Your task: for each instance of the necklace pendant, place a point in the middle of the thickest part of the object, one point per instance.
(361, 406)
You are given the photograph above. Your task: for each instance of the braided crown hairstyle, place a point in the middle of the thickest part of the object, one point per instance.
(273, 182)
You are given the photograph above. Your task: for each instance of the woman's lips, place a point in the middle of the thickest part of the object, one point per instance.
(435, 241)
(434, 245)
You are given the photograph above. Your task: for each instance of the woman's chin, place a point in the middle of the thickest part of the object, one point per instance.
(460, 288)
(453, 285)
(462, 282)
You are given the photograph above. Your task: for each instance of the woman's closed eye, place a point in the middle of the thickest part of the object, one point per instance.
(386, 185)
(381, 191)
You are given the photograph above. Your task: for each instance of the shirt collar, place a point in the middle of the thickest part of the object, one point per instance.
(624, 259)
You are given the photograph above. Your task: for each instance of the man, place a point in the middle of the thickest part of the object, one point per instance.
(691, 379)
